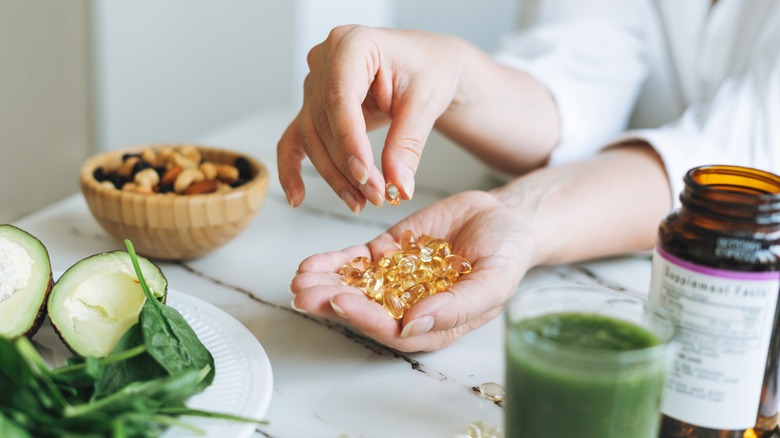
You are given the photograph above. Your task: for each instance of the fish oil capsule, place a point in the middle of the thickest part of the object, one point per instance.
(408, 242)
(492, 391)
(361, 263)
(458, 264)
(422, 275)
(393, 275)
(417, 267)
(374, 278)
(408, 264)
(393, 304)
(397, 256)
(451, 275)
(420, 290)
(392, 194)
(406, 282)
(438, 247)
(426, 254)
(442, 283)
(438, 265)
(407, 299)
(352, 275)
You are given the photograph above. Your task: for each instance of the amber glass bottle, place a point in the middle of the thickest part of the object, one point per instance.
(717, 267)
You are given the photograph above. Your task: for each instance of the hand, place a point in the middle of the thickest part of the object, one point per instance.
(361, 78)
(478, 226)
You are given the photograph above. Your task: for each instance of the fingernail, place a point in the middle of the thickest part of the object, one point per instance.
(359, 171)
(289, 199)
(418, 326)
(407, 182)
(372, 194)
(351, 201)
(294, 307)
(339, 311)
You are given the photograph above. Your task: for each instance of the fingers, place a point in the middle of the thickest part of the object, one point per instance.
(471, 302)
(405, 141)
(332, 261)
(361, 78)
(342, 74)
(322, 162)
(313, 292)
(289, 154)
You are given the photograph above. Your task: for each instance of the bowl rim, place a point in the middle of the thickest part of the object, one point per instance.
(87, 178)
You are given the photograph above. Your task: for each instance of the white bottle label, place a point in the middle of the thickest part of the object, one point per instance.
(725, 323)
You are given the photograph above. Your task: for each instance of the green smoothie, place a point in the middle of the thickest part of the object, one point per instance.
(578, 375)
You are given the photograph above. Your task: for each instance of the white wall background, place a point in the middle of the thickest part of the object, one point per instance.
(173, 70)
(87, 75)
(44, 102)
(482, 22)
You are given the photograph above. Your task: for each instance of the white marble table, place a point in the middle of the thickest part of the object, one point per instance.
(328, 380)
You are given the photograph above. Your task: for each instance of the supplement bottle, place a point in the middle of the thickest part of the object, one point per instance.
(716, 266)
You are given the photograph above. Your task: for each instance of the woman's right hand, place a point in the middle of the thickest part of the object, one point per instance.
(361, 78)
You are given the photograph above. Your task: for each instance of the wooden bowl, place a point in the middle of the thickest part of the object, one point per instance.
(169, 226)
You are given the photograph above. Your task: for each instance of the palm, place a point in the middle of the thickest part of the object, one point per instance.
(477, 226)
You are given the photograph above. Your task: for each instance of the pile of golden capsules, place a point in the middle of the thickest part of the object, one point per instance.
(423, 266)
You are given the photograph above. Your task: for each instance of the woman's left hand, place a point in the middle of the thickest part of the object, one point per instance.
(477, 225)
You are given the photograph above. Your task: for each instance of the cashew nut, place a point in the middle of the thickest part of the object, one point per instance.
(147, 178)
(164, 155)
(150, 156)
(191, 153)
(185, 163)
(186, 178)
(227, 173)
(209, 169)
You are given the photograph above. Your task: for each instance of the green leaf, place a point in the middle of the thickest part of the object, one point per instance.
(140, 367)
(49, 395)
(147, 396)
(14, 373)
(169, 338)
(9, 429)
(210, 414)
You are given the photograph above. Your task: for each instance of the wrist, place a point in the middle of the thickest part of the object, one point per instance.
(530, 202)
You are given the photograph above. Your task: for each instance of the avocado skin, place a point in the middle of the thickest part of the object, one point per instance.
(36, 324)
(42, 311)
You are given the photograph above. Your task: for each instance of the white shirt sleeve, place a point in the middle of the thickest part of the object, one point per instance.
(589, 55)
(739, 126)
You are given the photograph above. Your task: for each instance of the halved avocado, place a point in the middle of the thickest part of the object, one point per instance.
(25, 282)
(97, 299)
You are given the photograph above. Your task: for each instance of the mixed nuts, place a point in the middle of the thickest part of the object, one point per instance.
(173, 170)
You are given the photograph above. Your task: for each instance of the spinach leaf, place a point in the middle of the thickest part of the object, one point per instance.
(147, 396)
(50, 397)
(14, 373)
(9, 429)
(137, 368)
(137, 391)
(169, 338)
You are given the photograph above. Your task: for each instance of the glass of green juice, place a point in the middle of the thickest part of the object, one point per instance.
(584, 362)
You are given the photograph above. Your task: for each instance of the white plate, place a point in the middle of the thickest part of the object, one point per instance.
(243, 381)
